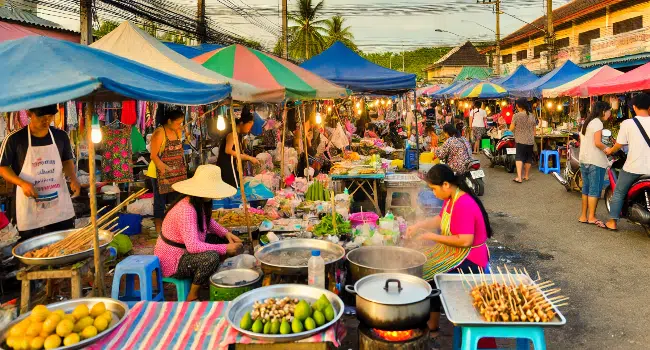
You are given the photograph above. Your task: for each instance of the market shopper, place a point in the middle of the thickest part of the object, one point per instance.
(464, 230)
(182, 247)
(478, 121)
(523, 126)
(633, 133)
(593, 161)
(37, 159)
(167, 162)
(456, 152)
(227, 159)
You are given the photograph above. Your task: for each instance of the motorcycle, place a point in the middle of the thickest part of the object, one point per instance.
(504, 153)
(571, 178)
(474, 177)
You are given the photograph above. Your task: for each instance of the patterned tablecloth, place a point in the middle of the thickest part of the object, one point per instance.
(187, 325)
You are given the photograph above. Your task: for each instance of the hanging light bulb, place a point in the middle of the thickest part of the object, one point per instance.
(466, 105)
(451, 101)
(560, 107)
(390, 102)
(318, 118)
(221, 123)
(329, 109)
(404, 113)
(549, 105)
(95, 130)
(358, 105)
(358, 111)
(504, 103)
(376, 103)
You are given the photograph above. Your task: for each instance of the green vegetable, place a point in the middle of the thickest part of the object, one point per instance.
(326, 227)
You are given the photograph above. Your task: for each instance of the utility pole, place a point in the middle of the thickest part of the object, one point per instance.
(497, 10)
(86, 21)
(550, 35)
(200, 20)
(403, 58)
(285, 27)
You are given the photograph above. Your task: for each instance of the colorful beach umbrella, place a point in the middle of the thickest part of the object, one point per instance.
(270, 73)
(484, 90)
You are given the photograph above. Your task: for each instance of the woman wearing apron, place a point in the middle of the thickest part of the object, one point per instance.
(465, 229)
(167, 165)
(227, 159)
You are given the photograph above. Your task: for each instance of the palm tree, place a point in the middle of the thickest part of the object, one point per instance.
(307, 39)
(337, 32)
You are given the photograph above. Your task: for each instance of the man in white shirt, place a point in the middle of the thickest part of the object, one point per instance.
(478, 119)
(638, 157)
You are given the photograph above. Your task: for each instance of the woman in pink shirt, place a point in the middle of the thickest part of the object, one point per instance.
(182, 246)
(464, 230)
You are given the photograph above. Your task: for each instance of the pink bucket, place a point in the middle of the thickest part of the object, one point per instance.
(358, 219)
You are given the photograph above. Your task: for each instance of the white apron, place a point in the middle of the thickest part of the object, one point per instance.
(44, 169)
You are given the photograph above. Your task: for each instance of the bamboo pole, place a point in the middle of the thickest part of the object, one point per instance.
(98, 286)
(240, 169)
(304, 140)
(284, 135)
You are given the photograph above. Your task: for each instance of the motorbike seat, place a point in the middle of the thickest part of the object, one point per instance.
(644, 177)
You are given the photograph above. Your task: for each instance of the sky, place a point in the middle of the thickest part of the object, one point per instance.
(380, 25)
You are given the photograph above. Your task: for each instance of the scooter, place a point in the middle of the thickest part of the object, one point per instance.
(636, 206)
(474, 177)
(571, 177)
(504, 153)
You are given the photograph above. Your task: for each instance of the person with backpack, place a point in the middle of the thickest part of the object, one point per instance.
(634, 134)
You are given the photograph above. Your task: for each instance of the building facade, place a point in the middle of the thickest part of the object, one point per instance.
(448, 66)
(587, 32)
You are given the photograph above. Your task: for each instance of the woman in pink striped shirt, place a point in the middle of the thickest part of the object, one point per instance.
(183, 247)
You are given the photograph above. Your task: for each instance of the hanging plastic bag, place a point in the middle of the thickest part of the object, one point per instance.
(339, 139)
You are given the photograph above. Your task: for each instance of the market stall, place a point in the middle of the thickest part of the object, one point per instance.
(634, 80)
(520, 77)
(560, 75)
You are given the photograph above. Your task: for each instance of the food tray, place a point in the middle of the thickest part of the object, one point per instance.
(458, 306)
(403, 180)
(41, 241)
(244, 303)
(118, 308)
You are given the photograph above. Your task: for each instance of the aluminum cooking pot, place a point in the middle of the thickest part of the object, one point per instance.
(366, 261)
(393, 301)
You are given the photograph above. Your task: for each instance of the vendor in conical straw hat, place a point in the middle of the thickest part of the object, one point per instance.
(183, 247)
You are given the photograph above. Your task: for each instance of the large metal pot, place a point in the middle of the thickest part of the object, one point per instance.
(229, 284)
(367, 261)
(393, 301)
(296, 244)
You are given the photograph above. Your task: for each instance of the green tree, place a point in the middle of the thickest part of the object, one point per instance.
(253, 44)
(336, 31)
(105, 27)
(415, 61)
(307, 39)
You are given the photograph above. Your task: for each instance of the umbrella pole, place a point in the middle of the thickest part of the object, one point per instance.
(241, 172)
(304, 140)
(98, 286)
(284, 135)
(417, 131)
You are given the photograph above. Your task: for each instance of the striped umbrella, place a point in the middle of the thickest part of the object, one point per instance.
(282, 79)
(484, 90)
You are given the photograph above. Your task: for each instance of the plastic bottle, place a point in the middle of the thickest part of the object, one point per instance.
(316, 270)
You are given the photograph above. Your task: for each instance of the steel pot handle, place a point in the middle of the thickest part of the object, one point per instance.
(350, 289)
(434, 293)
(399, 284)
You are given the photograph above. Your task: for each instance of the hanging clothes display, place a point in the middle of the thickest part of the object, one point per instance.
(117, 165)
(73, 117)
(24, 118)
(128, 113)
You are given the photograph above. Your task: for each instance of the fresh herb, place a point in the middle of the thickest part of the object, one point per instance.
(325, 227)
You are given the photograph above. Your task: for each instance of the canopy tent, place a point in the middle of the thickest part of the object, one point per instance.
(467, 73)
(457, 89)
(520, 77)
(635, 80)
(484, 90)
(129, 41)
(558, 76)
(39, 71)
(577, 87)
(344, 67)
(441, 93)
(268, 72)
(192, 51)
(12, 31)
(428, 90)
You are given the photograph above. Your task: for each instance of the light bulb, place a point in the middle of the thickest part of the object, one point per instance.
(358, 111)
(390, 102)
(560, 108)
(329, 109)
(95, 133)
(376, 103)
(507, 114)
(451, 101)
(466, 105)
(404, 113)
(549, 104)
(358, 105)
(383, 102)
(318, 118)
(221, 123)
(504, 103)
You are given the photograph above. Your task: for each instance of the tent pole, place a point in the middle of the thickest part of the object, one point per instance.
(241, 172)
(417, 131)
(98, 286)
(284, 135)
(304, 139)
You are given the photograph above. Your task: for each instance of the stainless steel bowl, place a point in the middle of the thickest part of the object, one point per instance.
(244, 303)
(41, 241)
(307, 244)
(118, 308)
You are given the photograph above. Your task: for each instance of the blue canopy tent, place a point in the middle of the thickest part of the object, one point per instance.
(459, 87)
(560, 75)
(192, 51)
(520, 77)
(345, 67)
(441, 93)
(39, 71)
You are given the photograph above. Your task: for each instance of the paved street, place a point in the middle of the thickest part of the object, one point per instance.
(604, 273)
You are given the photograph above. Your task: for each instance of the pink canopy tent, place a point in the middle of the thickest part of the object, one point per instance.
(11, 31)
(425, 91)
(578, 87)
(634, 80)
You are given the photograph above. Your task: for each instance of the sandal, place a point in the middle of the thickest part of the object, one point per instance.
(517, 181)
(584, 222)
(598, 223)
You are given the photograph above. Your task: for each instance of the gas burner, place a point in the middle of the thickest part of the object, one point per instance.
(377, 339)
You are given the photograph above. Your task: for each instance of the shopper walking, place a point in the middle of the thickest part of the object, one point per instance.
(523, 126)
(478, 121)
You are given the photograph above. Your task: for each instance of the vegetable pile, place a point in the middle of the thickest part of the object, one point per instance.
(325, 227)
(317, 192)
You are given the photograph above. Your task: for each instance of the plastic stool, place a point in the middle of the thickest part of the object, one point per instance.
(143, 266)
(182, 287)
(471, 336)
(544, 159)
(486, 143)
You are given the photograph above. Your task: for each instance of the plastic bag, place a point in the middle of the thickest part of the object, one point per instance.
(242, 261)
(339, 139)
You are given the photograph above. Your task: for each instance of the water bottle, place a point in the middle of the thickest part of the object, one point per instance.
(316, 270)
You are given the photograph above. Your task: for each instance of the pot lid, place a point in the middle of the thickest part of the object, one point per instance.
(234, 278)
(384, 288)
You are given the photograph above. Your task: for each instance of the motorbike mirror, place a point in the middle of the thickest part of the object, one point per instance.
(607, 133)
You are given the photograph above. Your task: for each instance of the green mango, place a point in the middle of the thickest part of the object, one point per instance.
(275, 327)
(267, 328)
(296, 326)
(323, 302)
(302, 311)
(258, 326)
(285, 327)
(319, 318)
(329, 313)
(246, 322)
(310, 324)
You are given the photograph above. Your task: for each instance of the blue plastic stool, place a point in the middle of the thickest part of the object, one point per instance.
(471, 336)
(544, 159)
(143, 266)
(182, 287)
